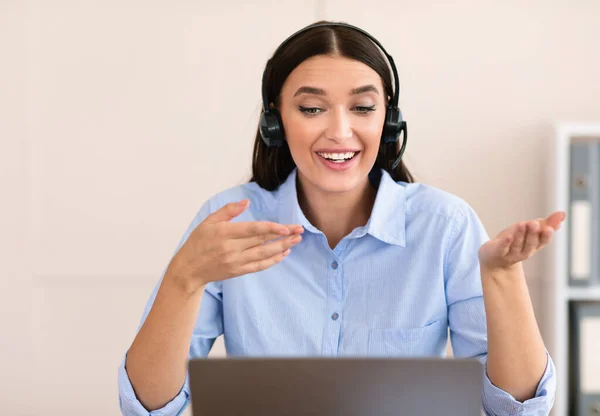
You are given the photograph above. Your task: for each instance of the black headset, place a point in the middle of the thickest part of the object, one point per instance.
(271, 126)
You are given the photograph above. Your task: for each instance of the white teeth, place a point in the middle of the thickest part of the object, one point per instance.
(337, 156)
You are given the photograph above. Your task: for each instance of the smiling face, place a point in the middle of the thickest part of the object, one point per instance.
(333, 110)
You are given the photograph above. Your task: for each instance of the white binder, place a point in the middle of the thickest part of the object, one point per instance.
(584, 218)
(585, 358)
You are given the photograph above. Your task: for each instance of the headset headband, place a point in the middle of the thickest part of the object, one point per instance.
(394, 102)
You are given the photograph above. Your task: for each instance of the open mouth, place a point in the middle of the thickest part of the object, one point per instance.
(338, 157)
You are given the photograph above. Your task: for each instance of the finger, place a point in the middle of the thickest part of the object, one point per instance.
(505, 243)
(268, 250)
(242, 244)
(516, 247)
(532, 238)
(545, 237)
(260, 265)
(227, 212)
(295, 228)
(555, 219)
(255, 228)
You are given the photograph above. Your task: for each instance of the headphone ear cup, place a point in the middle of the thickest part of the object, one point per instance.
(393, 125)
(271, 128)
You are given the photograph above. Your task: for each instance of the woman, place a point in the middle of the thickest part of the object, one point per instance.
(333, 250)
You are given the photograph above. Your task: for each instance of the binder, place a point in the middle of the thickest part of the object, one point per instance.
(584, 221)
(584, 356)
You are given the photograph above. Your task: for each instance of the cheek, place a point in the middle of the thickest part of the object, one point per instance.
(301, 133)
(299, 122)
(370, 133)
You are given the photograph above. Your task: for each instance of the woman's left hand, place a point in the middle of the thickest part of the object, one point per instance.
(519, 242)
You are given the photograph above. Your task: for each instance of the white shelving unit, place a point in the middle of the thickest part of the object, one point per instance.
(558, 293)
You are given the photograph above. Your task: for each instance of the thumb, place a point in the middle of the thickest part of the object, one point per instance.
(228, 212)
(497, 247)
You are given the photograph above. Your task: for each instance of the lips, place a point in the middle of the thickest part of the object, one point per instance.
(338, 157)
(339, 166)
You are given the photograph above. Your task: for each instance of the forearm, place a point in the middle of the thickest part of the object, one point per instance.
(157, 360)
(516, 353)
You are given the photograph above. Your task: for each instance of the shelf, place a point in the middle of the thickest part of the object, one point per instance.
(558, 330)
(583, 293)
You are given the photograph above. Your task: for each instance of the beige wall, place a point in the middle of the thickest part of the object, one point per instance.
(121, 117)
(15, 267)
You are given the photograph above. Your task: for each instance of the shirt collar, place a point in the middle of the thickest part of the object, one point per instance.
(388, 217)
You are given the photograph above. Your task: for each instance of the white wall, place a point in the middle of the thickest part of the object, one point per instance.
(121, 117)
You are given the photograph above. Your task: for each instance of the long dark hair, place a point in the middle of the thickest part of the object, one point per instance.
(272, 165)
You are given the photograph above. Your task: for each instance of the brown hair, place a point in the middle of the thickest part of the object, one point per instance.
(272, 165)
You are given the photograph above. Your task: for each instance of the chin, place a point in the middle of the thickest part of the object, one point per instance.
(338, 182)
(335, 178)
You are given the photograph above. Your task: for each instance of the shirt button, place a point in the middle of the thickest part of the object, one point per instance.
(334, 265)
(335, 316)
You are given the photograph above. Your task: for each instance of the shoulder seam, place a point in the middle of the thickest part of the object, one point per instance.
(453, 234)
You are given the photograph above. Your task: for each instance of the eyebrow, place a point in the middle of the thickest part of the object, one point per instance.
(320, 91)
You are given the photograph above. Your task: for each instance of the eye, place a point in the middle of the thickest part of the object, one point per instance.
(310, 111)
(364, 110)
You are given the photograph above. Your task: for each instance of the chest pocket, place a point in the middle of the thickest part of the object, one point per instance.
(423, 341)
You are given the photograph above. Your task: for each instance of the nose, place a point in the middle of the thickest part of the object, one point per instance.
(339, 128)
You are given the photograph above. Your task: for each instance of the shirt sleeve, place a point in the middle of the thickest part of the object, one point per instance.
(466, 317)
(497, 402)
(208, 327)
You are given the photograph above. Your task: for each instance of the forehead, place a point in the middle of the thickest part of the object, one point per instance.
(331, 73)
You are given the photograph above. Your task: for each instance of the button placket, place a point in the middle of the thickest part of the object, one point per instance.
(334, 306)
(337, 282)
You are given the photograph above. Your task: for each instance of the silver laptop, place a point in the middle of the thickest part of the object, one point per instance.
(336, 386)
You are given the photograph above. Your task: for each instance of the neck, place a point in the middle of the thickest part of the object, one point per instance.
(336, 214)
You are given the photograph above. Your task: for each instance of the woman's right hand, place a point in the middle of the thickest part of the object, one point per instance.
(218, 249)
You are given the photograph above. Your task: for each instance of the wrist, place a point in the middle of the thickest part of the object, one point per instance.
(503, 275)
(183, 282)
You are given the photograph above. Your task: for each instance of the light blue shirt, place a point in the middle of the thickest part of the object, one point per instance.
(390, 288)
